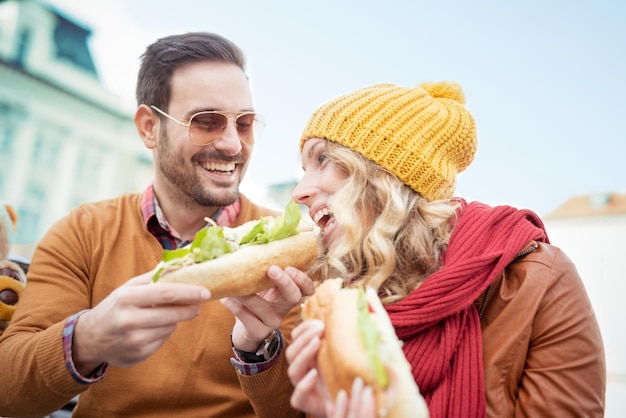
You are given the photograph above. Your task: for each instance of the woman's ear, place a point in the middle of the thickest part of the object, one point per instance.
(147, 124)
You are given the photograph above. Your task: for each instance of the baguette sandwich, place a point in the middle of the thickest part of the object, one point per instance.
(360, 341)
(234, 261)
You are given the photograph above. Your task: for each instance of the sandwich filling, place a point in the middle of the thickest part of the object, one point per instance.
(370, 331)
(214, 241)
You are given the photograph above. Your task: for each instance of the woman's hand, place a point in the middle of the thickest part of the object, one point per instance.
(361, 403)
(311, 394)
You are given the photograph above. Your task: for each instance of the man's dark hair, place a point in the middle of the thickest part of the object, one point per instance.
(168, 53)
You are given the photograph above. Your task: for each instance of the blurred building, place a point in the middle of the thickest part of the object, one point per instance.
(591, 230)
(64, 139)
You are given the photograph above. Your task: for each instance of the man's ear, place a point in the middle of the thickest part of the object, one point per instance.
(147, 124)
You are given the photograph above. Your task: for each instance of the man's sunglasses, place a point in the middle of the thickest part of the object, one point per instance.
(207, 126)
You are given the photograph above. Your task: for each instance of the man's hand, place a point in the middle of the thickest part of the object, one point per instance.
(133, 322)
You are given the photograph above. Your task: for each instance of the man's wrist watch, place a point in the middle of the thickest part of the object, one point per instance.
(265, 351)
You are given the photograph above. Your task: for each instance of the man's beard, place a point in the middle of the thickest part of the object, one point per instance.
(182, 175)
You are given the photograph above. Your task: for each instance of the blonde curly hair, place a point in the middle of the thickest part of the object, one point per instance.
(394, 238)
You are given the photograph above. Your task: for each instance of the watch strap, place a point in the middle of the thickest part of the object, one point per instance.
(265, 351)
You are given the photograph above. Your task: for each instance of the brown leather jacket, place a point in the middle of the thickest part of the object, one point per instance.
(542, 347)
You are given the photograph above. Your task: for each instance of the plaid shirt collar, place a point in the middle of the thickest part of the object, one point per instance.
(158, 226)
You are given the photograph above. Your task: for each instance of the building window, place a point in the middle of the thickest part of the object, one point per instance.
(7, 129)
(7, 140)
(45, 153)
(23, 43)
(71, 44)
(89, 165)
(7, 137)
(29, 215)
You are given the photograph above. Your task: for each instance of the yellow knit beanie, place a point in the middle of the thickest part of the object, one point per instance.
(424, 135)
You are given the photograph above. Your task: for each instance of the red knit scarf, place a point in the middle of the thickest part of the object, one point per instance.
(439, 322)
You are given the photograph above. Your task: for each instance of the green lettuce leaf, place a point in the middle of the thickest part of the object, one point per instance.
(259, 234)
(209, 243)
(371, 337)
(285, 226)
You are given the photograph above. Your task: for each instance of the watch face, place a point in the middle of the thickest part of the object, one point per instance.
(271, 345)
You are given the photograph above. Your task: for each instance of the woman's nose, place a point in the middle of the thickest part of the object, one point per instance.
(302, 193)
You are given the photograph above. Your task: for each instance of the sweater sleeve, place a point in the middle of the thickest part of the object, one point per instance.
(565, 372)
(35, 379)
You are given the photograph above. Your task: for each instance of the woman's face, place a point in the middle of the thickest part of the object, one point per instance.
(321, 180)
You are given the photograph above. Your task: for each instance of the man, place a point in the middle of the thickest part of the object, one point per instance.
(91, 322)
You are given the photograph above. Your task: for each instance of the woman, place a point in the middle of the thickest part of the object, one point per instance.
(495, 320)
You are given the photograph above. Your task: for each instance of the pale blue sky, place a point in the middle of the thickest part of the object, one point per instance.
(545, 80)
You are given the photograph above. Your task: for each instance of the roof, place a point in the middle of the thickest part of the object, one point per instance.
(601, 204)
